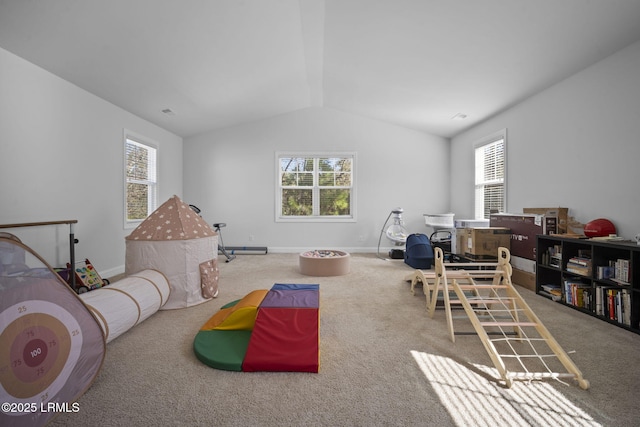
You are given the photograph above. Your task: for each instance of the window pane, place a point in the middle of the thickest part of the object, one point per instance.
(493, 199)
(326, 179)
(336, 164)
(305, 179)
(137, 162)
(297, 179)
(335, 202)
(494, 161)
(137, 201)
(296, 164)
(490, 162)
(343, 179)
(297, 202)
(490, 178)
(289, 179)
(326, 164)
(334, 172)
(141, 179)
(330, 179)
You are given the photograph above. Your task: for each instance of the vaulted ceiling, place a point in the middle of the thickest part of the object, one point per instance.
(219, 63)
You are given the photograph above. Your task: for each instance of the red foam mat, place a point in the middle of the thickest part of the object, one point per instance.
(284, 339)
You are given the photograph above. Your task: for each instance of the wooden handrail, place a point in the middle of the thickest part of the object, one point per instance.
(34, 224)
(72, 241)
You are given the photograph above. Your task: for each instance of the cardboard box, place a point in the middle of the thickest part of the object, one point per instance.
(458, 237)
(524, 278)
(483, 242)
(524, 229)
(458, 241)
(470, 223)
(523, 264)
(561, 215)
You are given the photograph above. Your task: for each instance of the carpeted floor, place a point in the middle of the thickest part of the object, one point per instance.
(384, 362)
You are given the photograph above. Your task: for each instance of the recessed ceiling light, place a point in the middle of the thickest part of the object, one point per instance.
(169, 111)
(459, 116)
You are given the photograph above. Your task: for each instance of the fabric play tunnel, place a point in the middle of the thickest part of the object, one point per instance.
(274, 330)
(127, 302)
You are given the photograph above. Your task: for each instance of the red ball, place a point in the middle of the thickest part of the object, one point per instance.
(600, 227)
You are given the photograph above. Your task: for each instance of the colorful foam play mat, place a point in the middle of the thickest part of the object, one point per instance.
(267, 330)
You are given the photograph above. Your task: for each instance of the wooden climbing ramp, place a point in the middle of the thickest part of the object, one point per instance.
(519, 345)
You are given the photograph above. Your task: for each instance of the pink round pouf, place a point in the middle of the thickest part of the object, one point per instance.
(324, 263)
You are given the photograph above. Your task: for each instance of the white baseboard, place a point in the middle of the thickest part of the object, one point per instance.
(350, 249)
(118, 270)
(112, 272)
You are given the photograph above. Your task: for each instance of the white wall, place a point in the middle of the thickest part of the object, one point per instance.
(230, 174)
(61, 157)
(575, 145)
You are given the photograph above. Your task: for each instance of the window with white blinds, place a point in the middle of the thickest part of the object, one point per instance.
(141, 179)
(315, 187)
(490, 194)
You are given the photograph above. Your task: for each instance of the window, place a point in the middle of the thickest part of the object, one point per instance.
(140, 179)
(315, 187)
(490, 181)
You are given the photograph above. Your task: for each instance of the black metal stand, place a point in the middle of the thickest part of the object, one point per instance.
(221, 247)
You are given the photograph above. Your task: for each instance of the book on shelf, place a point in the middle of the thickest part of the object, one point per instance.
(614, 304)
(579, 265)
(622, 268)
(626, 318)
(550, 287)
(555, 250)
(605, 272)
(553, 256)
(552, 291)
(586, 262)
(574, 293)
(578, 269)
(554, 298)
(617, 271)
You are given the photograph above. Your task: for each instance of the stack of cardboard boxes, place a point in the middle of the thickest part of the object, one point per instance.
(516, 232)
(524, 229)
(481, 243)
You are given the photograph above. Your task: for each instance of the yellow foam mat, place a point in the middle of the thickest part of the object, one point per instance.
(240, 317)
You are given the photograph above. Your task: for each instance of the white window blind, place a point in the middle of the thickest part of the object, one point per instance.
(490, 165)
(315, 187)
(140, 180)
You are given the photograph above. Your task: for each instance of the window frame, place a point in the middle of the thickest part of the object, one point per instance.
(495, 137)
(153, 184)
(315, 187)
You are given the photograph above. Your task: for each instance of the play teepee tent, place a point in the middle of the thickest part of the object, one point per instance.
(179, 243)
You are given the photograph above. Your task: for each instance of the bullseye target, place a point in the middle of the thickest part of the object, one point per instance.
(38, 349)
(51, 346)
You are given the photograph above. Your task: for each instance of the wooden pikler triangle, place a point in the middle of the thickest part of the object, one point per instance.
(519, 345)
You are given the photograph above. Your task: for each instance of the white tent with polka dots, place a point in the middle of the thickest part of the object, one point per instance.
(176, 241)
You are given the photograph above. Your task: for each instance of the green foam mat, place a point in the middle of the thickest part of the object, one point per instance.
(222, 349)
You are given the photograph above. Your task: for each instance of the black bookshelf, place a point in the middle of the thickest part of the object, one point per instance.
(600, 278)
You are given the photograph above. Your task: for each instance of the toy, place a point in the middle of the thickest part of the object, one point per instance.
(87, 278)
(600, 227)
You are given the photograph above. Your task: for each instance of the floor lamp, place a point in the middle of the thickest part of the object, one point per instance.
(396, 231)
